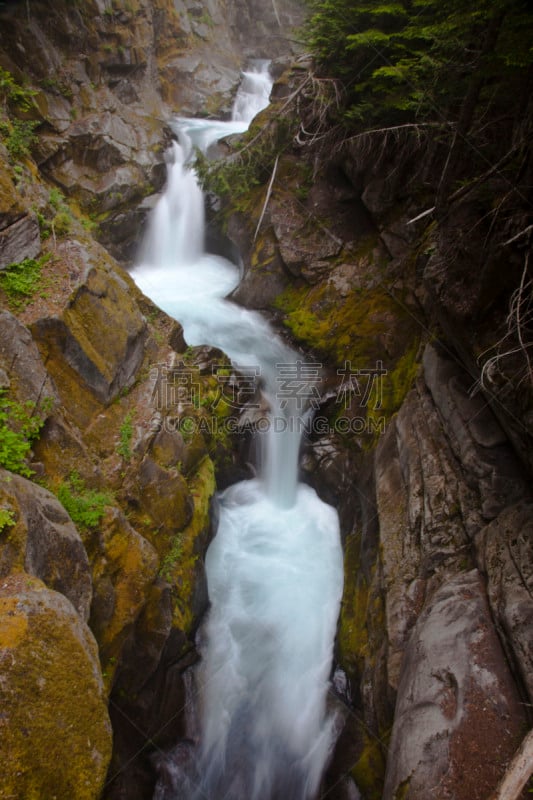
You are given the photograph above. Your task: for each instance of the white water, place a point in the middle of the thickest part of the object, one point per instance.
(274, 567)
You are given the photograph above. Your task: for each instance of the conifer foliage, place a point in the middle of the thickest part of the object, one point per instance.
(415, 59)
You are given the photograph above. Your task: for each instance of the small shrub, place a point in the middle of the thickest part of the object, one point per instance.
(13, 93)
(126, 434)
(171, 558)
(18, 136)
(62, 223)
(56, 199)
(86, 507)
(7, 519)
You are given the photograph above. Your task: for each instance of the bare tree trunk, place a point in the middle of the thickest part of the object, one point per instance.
(518, 772)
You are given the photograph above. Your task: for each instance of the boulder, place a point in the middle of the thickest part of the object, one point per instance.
(98, 341)
(56, 733)
(43, 541)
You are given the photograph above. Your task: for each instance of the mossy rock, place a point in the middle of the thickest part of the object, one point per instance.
(353, 633)
(56, 734)
(362, 329)
(369, 769)
(124, 567)
(97, 344)
(43, 541)
(182, 565)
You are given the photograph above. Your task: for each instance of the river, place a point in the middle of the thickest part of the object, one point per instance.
(274, 567)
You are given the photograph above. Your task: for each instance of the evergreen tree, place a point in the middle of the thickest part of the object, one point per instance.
(414, 60)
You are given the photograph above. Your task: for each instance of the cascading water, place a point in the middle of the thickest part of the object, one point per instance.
(274, 568)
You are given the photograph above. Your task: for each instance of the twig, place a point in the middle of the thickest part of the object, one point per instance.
(518, 235)
(519, 313)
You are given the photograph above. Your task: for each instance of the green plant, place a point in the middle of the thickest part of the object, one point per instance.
(7, 518)
(18, 136)
(126, 434)
(62, 223)
(20, 281)
(86, 507)
(172, 557)
(61, 217)
(19, 427)
(12, 93)
(56, 198)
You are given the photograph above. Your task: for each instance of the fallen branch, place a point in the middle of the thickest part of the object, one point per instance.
(518, 772)
(267, 198)
(276, 12)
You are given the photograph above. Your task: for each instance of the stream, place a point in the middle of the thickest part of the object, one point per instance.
(274, 567)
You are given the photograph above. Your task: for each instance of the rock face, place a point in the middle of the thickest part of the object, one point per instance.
(104, 74)
(429, 465)
(456, 700)
(101, 593)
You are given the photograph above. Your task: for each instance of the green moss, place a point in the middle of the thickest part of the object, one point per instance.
(56, 743)
(367, 334)
(353, 631)
(172, 558)
(355, 328)
(369, 770)
(397, 382)
(180, 562)
(402, 792)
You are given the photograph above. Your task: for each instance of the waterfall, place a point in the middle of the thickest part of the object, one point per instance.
(274, 567)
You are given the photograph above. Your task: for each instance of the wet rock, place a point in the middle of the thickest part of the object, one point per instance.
(62, 451)
(43, 541)
(266, 277)
(56, 734)
(459, 717)
(176, 338)
(302, 244)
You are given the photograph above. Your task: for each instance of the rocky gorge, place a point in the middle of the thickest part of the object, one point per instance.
(107, 503)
